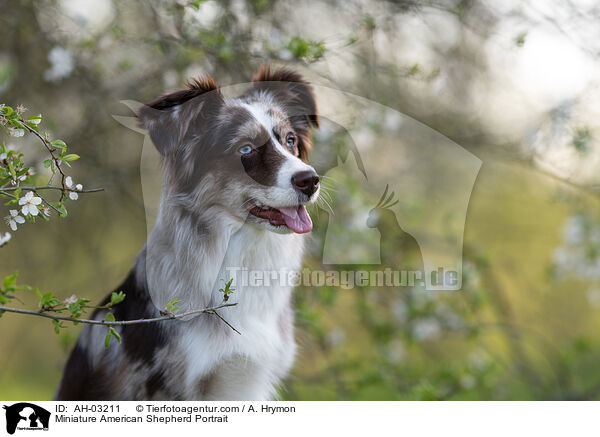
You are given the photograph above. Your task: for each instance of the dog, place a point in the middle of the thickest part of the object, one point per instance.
(235, 189)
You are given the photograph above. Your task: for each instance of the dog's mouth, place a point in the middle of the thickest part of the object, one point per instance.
(295, 218)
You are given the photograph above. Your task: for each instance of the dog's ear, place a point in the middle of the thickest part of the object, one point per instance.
(167, 118)
(295, 96)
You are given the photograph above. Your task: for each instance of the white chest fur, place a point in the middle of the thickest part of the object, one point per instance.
(250, 364)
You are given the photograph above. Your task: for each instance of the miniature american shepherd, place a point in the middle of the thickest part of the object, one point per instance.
(235, 189)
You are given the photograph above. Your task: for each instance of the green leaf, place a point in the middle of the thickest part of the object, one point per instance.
(114, 332)
(57, 326)
(110, 317)
(107, 340)
(305, 49)
(58, 144)
(520, 39)
(61, 208)
(47, 163)
(47, 300)
(227, 290)
(71, 157)
(10, 281)
(78, 307)
(16, 123)
(116, 298)
(172, 306)
(11, 168)
(195, 4)
(22, 287)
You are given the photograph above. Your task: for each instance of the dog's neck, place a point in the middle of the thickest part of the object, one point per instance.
(189, 256)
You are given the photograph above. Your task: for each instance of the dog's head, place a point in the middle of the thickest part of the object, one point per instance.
(244, 156)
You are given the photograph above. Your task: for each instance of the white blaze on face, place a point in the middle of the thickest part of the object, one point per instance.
(292, 164)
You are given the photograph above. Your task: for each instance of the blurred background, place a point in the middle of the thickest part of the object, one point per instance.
(514, 83)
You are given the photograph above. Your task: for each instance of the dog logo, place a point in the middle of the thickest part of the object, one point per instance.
(26, 416)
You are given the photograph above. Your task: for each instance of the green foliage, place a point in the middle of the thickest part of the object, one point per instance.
(369, 21)
(47, 300)
(78, 307)
(582, 139)
(195, 4)
(306, 50)
(112, 332)
(16, 177)
(9, 287)
(72, 307)
(520, 39)
(227, 290)
(172, 306)
(116, 298)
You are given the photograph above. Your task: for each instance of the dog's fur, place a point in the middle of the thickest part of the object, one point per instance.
(203, 227)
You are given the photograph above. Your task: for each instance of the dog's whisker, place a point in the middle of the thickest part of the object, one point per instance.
(328, 188)
(323, 200)
(243, 205)
(327, 195)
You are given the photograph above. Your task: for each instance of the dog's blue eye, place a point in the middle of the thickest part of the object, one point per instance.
(245, 150)
(291, 141)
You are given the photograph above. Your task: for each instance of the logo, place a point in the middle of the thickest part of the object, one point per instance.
(26, 416)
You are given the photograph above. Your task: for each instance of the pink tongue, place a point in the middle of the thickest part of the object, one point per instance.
(297, 219)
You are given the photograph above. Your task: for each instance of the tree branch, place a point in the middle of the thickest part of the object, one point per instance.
(50, 187)
(214, 311)
(42, 313)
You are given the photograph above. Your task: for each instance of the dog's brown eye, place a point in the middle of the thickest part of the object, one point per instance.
(246, 149)
(290, 140)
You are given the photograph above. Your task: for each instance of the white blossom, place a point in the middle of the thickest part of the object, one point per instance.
(574, 230)
(28, 203)
(396, 351)
(13, 219)
(5, 239)
(400, 311)
(426, 329)
(24, 176)
(16, 132)
(61, 64)
(71, 185)
(335, 337)
(36, 120)
(8, 148)
(68, 301)
(468, 382)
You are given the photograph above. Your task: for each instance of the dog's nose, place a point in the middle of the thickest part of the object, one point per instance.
(306, 182)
